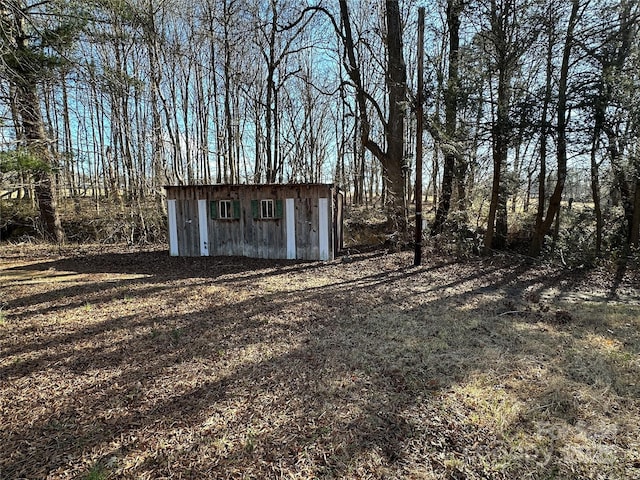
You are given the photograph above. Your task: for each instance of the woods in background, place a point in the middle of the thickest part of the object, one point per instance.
(532, 109)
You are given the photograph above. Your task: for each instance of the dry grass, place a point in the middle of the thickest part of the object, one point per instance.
(132, 364)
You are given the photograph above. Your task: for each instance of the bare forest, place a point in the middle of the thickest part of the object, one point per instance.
(529, 108)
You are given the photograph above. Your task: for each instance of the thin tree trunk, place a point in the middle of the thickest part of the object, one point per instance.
(495, 236)
(561, 132)
(544, 133)
(595, 181)
(228, 121)
(451, 114)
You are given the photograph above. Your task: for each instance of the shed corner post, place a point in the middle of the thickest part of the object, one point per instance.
(290, 218)
(323, 229)
(173, 228)
(203, 227)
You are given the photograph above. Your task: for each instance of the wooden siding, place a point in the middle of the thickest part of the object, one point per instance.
(245, 235)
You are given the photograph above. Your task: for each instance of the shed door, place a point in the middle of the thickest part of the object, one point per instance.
(188, 228)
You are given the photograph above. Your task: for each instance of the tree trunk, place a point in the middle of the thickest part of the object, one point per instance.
(451, 114)
(157, 144)
(595, 171)
(495, 236)
(536, 240)
(228, 120)
(507, 51)
(28, 105)
(392, 160)
(616, 152)
(561, 131)
(23, 76)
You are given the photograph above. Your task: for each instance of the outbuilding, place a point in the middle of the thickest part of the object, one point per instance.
(279, 221)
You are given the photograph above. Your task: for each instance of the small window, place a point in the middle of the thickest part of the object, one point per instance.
(225, 209)
(267, 209)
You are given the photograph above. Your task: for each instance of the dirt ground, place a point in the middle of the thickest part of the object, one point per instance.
(127, 363)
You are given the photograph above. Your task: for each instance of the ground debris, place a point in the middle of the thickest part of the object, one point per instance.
(120, 362)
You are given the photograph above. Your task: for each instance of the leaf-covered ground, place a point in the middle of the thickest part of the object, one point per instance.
(118, 363)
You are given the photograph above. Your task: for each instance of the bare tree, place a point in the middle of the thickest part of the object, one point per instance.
(391, 158)
(553, 210)
(505, 40)
(452, 155)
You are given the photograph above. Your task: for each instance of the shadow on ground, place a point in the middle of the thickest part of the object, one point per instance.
(230, 368)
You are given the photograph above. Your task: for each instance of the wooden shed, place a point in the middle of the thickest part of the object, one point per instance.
(288, 221)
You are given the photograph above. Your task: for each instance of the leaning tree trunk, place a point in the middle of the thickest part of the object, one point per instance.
(553, 209)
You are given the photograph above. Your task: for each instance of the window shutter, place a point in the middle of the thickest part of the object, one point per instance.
(236, 209)
(213, 206)
(278, 212)
(255, 208)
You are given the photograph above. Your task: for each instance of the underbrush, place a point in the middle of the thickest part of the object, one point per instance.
(18, 219)
(575, 245)
(87, 220)
(364, 226)
(572, 246)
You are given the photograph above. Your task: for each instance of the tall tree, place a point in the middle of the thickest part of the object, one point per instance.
(392, 158)
(553, 210)
(616, 104)
(279, 35)
(506, 39)
(451, 97)
(30, 50)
